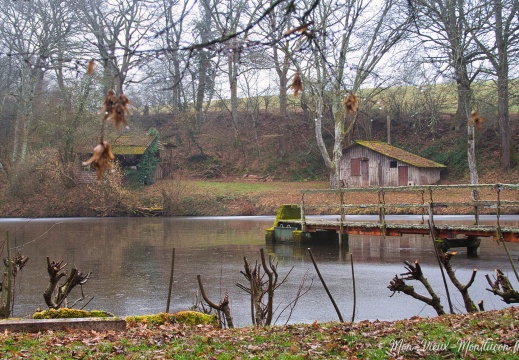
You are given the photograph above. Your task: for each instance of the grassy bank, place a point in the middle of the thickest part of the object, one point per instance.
(238, 197)
(224, 197)
(486, 335)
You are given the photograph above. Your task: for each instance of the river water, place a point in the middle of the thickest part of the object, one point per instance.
(130, 260)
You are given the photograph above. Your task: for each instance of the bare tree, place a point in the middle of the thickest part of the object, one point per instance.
(496, 32)
(31, 34)
(443, 27)
(278, 24)
(174, 20)
(261, 285)
(344, 47)
(227, 18)
(205, 68)
(117, 31)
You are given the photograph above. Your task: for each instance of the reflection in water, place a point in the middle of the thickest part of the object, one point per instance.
(130, 259)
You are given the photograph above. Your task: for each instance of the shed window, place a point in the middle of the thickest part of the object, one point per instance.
(393, 164)
(355, 167)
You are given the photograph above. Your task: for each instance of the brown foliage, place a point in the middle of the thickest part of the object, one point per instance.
(475, 120)
(90, 69)
(101, 158)
(115, 107)
(351, 104)
(297, 83)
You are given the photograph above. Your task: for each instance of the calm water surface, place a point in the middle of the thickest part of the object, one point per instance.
(131, 257)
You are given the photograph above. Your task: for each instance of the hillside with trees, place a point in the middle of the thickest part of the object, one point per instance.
(216, 80)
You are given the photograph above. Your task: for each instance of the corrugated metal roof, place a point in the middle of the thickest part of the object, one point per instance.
(399, 154)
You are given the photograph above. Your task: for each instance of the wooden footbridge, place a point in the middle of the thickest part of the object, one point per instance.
(300, 222)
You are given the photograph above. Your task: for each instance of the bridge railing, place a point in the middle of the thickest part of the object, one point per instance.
(494, 199)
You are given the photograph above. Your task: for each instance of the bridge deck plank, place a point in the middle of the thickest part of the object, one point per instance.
(510, 234)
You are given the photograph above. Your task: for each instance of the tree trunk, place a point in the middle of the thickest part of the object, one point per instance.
(503, 41)
(5, 310)
(463, 113)
(471, 156)
(233, 83)
(283, 98)
(330, 166)
(338, 115)
(8, 283)
(503, 119)
(464, 96)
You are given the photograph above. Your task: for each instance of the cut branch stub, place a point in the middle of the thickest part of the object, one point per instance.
(397, 284)
(414, 272)
(223, 306)
(503, 288)
(54, 268)
(56, 296)
(18, 263)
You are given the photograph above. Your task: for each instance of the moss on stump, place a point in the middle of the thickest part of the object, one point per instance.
(66, 313)
(185, 317)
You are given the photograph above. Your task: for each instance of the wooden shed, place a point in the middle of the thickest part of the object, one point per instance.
(375, 163)
(128, 148)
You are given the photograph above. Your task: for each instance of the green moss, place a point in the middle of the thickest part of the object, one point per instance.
(269, 234)
(195, 318)
(288, 211)
(184, 317)
(298, 235)
(65, 313)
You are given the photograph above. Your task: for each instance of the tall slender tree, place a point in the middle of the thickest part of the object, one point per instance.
(443, 27)
(31, 34)
(495, 28)
(344, 48)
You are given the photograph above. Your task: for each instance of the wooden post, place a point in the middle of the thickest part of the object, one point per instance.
(432, 232)
(303, 226)
(382, 212)
(342, 218)
(9, 278)
(324, 285)
(498, 214)
(170, 280)
(354, 289)
(423, 206)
